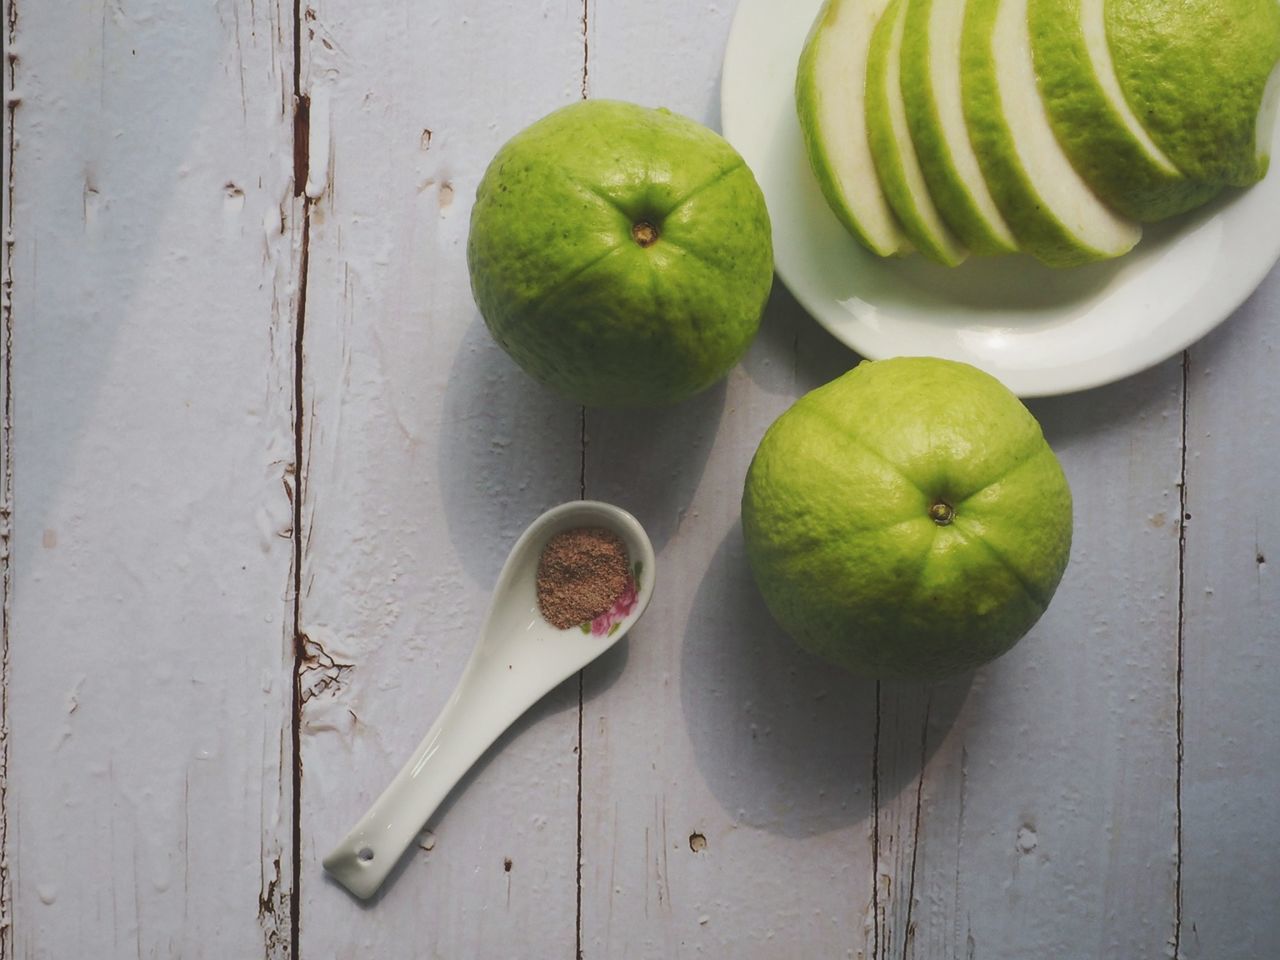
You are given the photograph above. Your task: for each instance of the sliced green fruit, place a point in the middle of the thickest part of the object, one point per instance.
(930, 80)
(1105, 140)
(1053, 213)
(894, 154)
(830, 82)
(1194, 72)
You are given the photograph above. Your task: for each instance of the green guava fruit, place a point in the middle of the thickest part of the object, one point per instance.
(830, 105)
(930, 81)
(907, 520)
(1055, 215)
(935, 113)
(1105, 139)
(619, 254)
(897, 162)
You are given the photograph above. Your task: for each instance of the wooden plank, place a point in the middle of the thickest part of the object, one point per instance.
(427, 452)
(1230, 710)
(1045, 821)
(148, 784)
(727, 778)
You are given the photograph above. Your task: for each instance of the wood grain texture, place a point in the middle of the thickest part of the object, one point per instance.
(426, 453)
(1231, 669)
(148, 796)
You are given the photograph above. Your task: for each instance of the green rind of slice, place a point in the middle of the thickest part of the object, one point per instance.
(829, 104)
(894, 154)
(1091, 128)
(983, 231)
(1194, 72)
(1039, 230)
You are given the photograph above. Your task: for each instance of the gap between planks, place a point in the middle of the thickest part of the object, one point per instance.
(301, 163)
(12, 101)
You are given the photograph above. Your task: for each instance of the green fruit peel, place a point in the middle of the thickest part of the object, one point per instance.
(907, 520)
(619, 254)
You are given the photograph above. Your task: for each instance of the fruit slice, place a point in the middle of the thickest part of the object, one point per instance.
(830, 83)
(1195, 72)
(1052, 211)
(891, 147)
(1105, 140)
(930, 82)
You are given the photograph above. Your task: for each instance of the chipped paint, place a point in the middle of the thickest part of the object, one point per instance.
(318, 145)
(10, 155)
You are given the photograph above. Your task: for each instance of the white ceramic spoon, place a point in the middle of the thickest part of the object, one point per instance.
(520, 657)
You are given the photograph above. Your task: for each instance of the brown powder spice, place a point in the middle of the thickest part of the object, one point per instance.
(581, 573)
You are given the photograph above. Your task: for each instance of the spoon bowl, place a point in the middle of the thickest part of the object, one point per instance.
(519, 658)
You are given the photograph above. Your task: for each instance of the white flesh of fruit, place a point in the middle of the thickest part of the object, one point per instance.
(840, 72)
(1067, 197)
(951, 250)
(946, 19)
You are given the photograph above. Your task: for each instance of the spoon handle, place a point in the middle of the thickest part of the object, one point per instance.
(483, 705)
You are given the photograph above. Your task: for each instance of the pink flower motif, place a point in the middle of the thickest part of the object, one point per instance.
(607, 622)
(627, 599)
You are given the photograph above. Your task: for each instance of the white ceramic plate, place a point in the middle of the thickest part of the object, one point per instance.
(1041, 331)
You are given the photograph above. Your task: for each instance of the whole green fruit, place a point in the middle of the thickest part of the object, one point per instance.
(907, 520)
(619, 254)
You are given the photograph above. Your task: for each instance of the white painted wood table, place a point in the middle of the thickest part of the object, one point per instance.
(262, 464)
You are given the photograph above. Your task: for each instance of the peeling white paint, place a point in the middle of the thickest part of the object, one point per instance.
(145, 768)
(318, 142)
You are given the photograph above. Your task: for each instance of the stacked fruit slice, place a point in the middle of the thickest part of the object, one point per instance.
(1051, 127)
